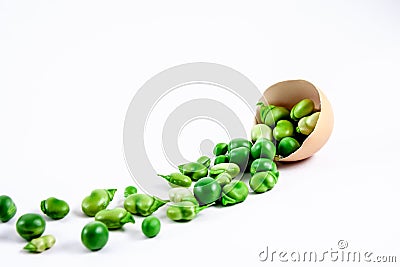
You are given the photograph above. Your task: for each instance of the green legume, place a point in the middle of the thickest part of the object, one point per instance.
(142, 204)
(151, 226)
(283, 129)
(287, 146)
(270, 114)
(262, 165)
(97, 200)
(177, 179)
(261, 182)
(129, 190)
(231, 168)
(194, 170)
(54, 208)
(223, 179)
(204, 160)
(261, 131)
(178, 193)
(8, 209)
(30, 226)
(234, 193)
(40, 244)
(239, 142)
(221, 159)
(114, 218)
(220, 149)
(307, 124)
(94, 235)
(207, 190)
(184, 211)
(263, 148)
(240, 156)
(302, 109)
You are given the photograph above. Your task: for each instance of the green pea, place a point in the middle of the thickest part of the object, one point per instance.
(307, 124)
(287, 146)
(114, 218)
(234, 193)
(129, 190)
(142, 204)
(30, 226)
(220, 149)
(184, 211)
(94, 235)
(221, 159)
(223, 179)
(40, 244)
(231, 168)
(204, 160)
(261, 131)
(207, 190)
(270, 114)
(177, 179)
(178, 193)
(240, 156)
(8, 209)
(151, 226)
(302, 109)
(194, 170)
(262, 165)
(239, 142)
(263, 148)
(54, 208)
(97, 200)
(283, 129)
(261, 182)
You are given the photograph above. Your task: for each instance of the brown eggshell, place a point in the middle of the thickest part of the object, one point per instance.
(287, 94)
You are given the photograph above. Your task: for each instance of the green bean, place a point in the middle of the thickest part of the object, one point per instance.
(287, 146)
(129, 190)
(263, 148)
(234, 193)
(97, 200)
(8, 209)
(307, 124)
(177, 179)
(223, 179)
(40, 244)
(207, 190)
(239, 142)
(240, 156)
(178, 193)
(194, 170)
(184, 211)
(220, 149)
(221, 159)
(263, 164)
(302, 109)
(270, 114)
(204, 160)
(231, 168)
(261, 131)
(144, 205)
(261, 182)
(283, 129)
(54, 208)
(114, 218)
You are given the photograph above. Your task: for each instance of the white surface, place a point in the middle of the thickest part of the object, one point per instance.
(68, 71)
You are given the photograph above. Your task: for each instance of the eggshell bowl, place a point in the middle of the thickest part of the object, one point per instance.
(287, 94)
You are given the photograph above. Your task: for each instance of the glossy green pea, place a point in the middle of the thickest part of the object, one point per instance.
(129, 190)
(234, 193)
(262, 165)
(8, 209)
(30, 226)
(283, 129)
(207, 190)
(94, 235)
(270, 114)
(301, 109)
(54, 208)
(240, 156)
(220, 149)
(114, 218)
(142, 204)
(40, 244)
(204, 160)
(263, 148)
(261, 182)
(97, 200)
(221, 159)
(194, 170)
(307, 124)
(178, 193)
(223, 179)
(177, 179)
(231, 168)
(151, 226)
(239, 142)
(184, 211)
(261, 131)
(287, 146)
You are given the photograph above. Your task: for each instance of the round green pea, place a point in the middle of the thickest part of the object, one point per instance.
(262, 165)
(220, 149)
(30, 226)
(263, 148)
(283, 129)
(207, 190)
(239, 142)
(8, 209)
(261, 182)
(287, 146)
(94, 235)
(261, 131)
(240, 156)
(54, 208)
(151, 226)
(234, 193)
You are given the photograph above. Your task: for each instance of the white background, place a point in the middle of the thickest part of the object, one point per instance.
(69, 69)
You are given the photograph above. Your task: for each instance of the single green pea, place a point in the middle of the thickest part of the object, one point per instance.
(151, 226)
(231, 168)
(94, 235)
(184, 211)
(142, 204)
(261, 131)
(301, 109)
(240, 156)
(220, 149)
(204, 160)
(223, 179)
(194, 170)
(239, 142)
(97, 200)
(54, 208)
(40, 244)
(114, 218)
(8, 209)
(283, 129)
(178, 193)
(261, 182)
(207, 190)
(129, 190)
(221, 159)
(234, 193)
(262, 165)
(307, 124)
(263, 148)
(177, 179)
(287, 146)
(30, 226)
(270, 114)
